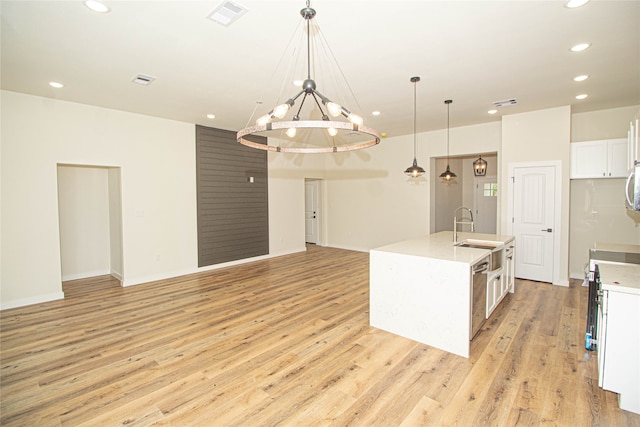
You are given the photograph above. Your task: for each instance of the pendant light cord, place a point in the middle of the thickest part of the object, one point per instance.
(414, 118)
(448, 102)
(448, 105)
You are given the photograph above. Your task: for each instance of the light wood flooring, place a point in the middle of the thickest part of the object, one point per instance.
(287, 341)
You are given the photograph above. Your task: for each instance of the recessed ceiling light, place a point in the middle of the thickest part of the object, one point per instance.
(376, 113)
(492, 111)
(211, 116)
(580, 78)
(571, 4)
(97, 6)
(56, 85)
(583, 96)
(580, 47)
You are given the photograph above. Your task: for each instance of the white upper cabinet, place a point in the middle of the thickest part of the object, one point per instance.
(634, 141)
(607, 158)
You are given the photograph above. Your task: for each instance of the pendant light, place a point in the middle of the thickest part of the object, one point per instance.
(480, 167)
(414, 170)
(448, 175)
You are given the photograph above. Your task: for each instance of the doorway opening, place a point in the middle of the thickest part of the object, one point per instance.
(90, 227)
(463, 191)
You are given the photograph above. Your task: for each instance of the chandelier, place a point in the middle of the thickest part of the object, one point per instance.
(296, 135)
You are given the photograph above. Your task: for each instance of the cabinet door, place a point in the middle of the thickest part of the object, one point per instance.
(622, 349)
(588, 159)
(491, 297)
(632, 143)
(617, 152)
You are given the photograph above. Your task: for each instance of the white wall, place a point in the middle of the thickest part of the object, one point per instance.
(597, 205)
(372, 202)
(448, 195)
(603, 124)
(115, 223)
(157, 159)
(287, 173)
(367, 199)
(83, 205)
(539, 136)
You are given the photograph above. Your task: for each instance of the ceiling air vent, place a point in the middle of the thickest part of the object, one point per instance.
(505, 103)
(227, 13)
(142, 79)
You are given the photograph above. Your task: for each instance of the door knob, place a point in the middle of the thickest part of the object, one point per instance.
(548, 230)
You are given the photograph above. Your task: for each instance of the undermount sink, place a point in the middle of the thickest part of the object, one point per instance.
(478, 244)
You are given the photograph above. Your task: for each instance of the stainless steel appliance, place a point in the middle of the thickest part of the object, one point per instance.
(479, 302)
(609, 253)
(632, 201)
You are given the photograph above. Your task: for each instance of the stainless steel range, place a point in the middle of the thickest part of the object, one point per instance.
(604, 253)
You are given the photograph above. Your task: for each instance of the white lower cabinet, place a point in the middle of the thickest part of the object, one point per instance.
(495, 291)
(619, 347)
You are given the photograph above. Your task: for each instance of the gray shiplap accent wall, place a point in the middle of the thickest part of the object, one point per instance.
(233, 214)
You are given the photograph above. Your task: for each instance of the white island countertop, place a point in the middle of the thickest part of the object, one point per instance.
(441, 246)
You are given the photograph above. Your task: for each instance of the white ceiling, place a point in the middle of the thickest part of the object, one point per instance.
(474, 52)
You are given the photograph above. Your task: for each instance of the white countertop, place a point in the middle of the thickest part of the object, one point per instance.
(441, 246)
(620, 277)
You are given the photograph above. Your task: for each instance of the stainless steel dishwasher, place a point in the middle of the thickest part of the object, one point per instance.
(479, 293)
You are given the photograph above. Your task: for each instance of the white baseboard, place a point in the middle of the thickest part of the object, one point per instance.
(31, 300)
(169, 275)
(85, 275)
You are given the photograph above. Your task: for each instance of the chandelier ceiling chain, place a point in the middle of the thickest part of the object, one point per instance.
(337, 130)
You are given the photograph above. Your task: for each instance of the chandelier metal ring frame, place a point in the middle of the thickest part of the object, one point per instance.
(313, 124)
(266, 123)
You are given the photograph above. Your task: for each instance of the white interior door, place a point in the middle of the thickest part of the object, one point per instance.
(485, 204)
(533, 221)
(311, 214)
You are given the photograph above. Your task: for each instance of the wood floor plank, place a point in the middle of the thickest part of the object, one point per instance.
(286, 341)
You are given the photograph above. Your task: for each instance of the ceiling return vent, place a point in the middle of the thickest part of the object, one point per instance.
(505, 103)
(143, 79)
(227, 13)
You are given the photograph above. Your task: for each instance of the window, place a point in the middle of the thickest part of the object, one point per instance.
(490, 189)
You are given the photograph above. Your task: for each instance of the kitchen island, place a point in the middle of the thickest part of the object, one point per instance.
(422, 288)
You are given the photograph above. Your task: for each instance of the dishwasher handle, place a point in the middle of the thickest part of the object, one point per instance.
(481, 267)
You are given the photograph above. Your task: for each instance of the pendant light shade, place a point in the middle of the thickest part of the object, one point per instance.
(447, 175)
(480, 167)
(414, 170)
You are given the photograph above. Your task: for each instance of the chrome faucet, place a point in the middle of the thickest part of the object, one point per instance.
(456, 222)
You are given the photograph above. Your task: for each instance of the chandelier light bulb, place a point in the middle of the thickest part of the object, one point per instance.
(334, 109)
(263, 120)
(280, 110)
(291, 132)
(355, 119)
(332, 131)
